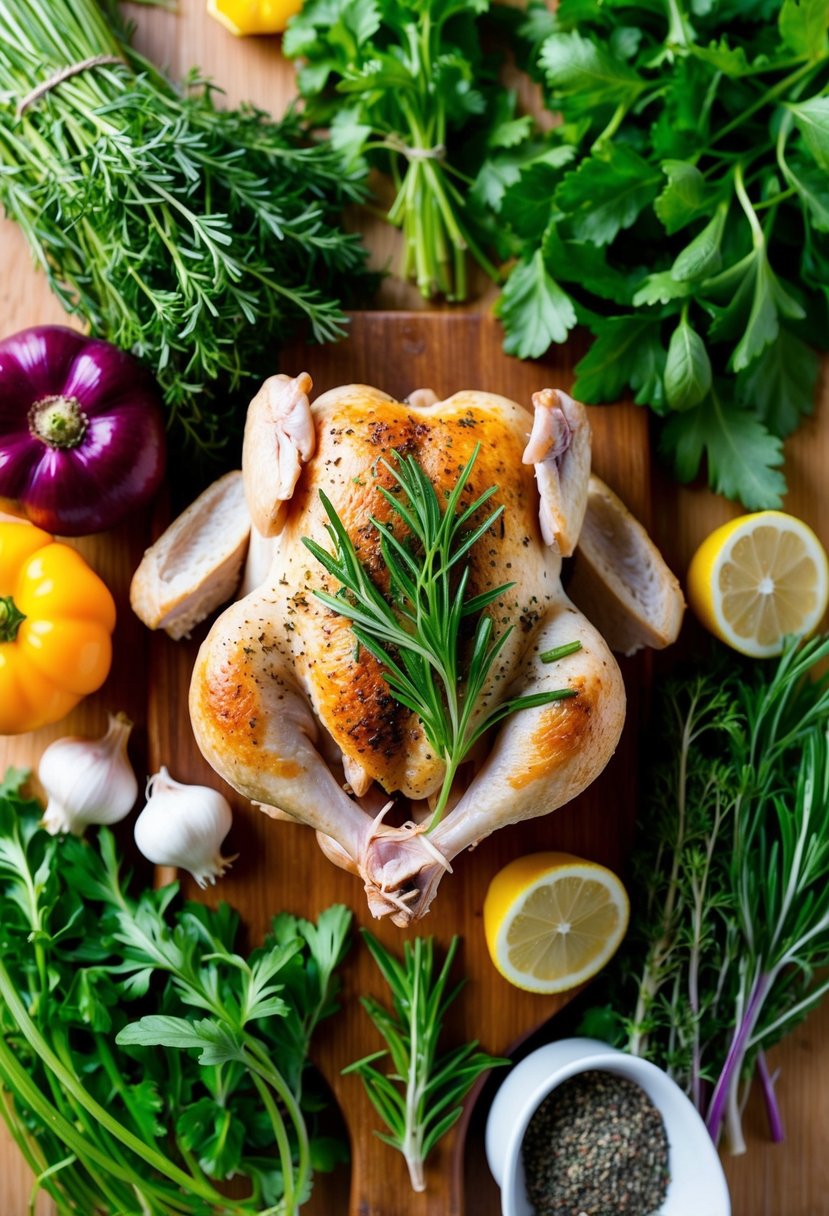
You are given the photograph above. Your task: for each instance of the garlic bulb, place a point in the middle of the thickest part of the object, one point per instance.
(88, 780)
(184, 826)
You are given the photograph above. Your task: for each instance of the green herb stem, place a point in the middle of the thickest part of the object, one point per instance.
(278, 1125)
(757, 234)
(73, 1087)
(44, 1175)
(771, 94)
(420, 1099)
(559, 652)
(18, 1080)
(263, 1069)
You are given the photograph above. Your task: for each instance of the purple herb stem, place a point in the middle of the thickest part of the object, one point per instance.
(696, 1079)
(770, 1098)
(730, 1074)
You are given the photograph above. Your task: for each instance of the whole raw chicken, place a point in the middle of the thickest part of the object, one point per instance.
(297, 717)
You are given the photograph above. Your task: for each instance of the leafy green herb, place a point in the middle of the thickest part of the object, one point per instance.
(732, 870)
(405, 88)
(420, 1099)
(194, 236)
(148, 1115)
(687, 224)
(417, 632)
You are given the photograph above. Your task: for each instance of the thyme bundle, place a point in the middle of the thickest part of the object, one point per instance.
(731, 936)
(198, 238)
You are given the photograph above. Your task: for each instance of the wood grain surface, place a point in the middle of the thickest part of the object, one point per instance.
(787, 1180)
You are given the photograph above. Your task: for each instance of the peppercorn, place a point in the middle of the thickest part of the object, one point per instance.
(596, 1146)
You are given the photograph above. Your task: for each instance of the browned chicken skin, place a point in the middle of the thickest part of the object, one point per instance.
(296, 716)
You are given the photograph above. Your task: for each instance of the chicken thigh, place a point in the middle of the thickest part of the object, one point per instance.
(298, 717)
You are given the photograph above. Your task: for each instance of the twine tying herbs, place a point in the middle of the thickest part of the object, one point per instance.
(62, 74)
(438, 152)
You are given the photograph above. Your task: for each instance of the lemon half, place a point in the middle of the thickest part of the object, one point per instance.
(757, 579)
(552, 920)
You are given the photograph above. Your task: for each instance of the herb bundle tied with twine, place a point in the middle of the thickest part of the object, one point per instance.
(196, 237)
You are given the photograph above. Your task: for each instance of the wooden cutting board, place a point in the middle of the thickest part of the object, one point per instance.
(281, 867)
(770, 1179)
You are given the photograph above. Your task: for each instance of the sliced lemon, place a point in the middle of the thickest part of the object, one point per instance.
(758, 579)
(552, 920)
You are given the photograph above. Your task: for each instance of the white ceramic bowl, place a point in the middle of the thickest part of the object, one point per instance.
(697, 1184)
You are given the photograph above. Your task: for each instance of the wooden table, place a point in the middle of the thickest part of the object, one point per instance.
(787, 1180)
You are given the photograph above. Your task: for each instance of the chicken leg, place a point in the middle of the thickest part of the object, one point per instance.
(256, 713)
(541, 758)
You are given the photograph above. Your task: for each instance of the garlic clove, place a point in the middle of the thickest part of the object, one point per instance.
(184, 826)
(88, 781)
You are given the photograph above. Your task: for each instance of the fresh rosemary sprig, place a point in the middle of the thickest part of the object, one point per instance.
(416, 631)
(196, 237)
(421, 1098)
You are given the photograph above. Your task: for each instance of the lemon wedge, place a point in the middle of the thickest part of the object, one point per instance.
(552, 920)
(757, 579)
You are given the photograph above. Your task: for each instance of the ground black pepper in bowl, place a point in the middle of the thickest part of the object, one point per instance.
(596, 1146)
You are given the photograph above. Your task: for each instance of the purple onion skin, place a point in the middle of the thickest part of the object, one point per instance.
(118, 462)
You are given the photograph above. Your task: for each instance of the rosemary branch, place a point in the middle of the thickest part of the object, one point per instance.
(417, 630)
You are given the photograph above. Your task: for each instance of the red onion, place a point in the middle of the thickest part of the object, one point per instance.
(81, 430)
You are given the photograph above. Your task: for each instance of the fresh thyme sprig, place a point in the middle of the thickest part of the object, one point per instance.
(421, 1098)
(731, 937)
(194, 236)
(415, 632)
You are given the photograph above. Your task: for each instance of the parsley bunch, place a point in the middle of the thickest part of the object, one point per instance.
(681, 212)
(196, 237)
(406, 89)
(143, 1059)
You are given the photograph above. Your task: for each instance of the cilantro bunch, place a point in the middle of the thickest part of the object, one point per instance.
(680, 210)
(143, 1059)
(405, 88)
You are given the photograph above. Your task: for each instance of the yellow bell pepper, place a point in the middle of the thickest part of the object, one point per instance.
(56, 621)
(253, 16)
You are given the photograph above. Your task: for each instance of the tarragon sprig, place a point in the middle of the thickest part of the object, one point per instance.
(421, 1098)
(415, 631)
